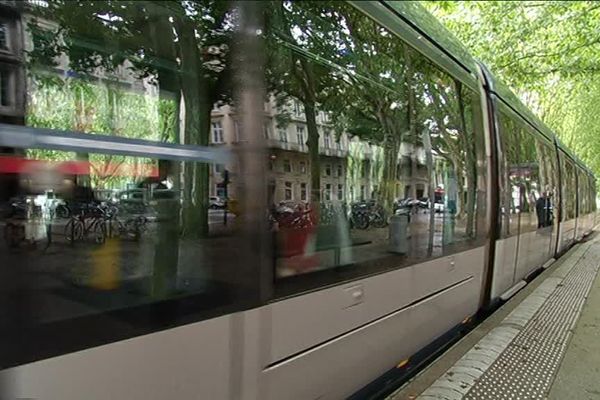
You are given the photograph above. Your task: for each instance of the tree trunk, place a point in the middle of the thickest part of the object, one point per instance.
(313, 154)
(470, 164)
(195, 131)
(391, 147)
(307, 83)
(387, 185)
(411, 117)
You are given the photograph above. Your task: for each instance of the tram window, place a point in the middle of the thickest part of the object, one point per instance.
(547, 204)
(593, 204)
(535, 184)
(570, 188)
(97, 232)
(149, 236)
(408, 125)
(511, 195)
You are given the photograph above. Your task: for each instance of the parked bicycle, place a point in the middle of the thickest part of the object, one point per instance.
(364, 214)
(89, 220)
(133, 227)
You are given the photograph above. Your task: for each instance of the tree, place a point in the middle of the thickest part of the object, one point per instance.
(299, 41)
(546, 51)
(184, 46)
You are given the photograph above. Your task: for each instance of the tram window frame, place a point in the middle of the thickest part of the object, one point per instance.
(569, 187)
(510, 127)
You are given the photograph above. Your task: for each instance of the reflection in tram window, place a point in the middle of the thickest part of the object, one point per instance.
(93, 230)
(113, 228)
(409, 169)
(531, 173)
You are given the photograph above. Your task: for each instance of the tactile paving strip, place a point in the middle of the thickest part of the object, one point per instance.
(526, 368)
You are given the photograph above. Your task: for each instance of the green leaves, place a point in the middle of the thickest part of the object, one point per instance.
(548, 52)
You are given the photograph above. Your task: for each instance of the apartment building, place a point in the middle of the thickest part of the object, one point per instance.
(12, 73)
(349, 166)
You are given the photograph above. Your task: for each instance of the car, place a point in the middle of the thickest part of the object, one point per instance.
(438, 207)
(216, 203)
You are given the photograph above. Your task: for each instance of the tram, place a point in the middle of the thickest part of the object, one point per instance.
(258, 200)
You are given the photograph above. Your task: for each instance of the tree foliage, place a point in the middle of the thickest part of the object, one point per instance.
(547, 51)
(184, 46)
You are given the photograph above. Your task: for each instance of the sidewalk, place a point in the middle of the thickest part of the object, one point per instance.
(541, 344)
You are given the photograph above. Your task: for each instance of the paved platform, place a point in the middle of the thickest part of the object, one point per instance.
(542, 344)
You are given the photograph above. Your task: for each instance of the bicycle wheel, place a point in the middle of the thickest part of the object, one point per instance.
(379, 221)
(73, 230)
(114, 228)
(135, 227)
(63, 211)
(99, 231)
(361, 221)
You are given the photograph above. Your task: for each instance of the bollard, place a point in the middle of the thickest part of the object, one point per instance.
(398, 241)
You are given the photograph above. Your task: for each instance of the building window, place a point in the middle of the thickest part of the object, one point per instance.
(340, 192)
(238, 131)
(362, 192)
(340, 171)
(327, 193)
(3, 36)
(327, 140)
(303, 191)
(283, 135)
(287, 166)
(217, 132)
(328, 170)
(302, 167)
(298, 111)
(4, 88)
(220, 191)
(300, 136)
(288, 191)
(365, 168)
(218, 168)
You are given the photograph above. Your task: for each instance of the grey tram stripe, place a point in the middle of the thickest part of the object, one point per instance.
(42, 138)
(467, 378)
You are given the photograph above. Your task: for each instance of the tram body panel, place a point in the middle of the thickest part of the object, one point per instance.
(504, 265)
(191, 361)
(361, 355)
(308, 320)
(534, 251)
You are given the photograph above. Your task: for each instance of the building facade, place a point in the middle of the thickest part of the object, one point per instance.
(350, 167)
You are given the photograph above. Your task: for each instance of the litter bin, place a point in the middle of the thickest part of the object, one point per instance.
(399, 234)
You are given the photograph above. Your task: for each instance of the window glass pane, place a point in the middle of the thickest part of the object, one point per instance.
(511, 196)
(570, 185)
(283, 135)
(110, 231)
(4, 35)
(532, 196)
(104, 226)
(546, 205)
(411, 145)
(5, 86)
